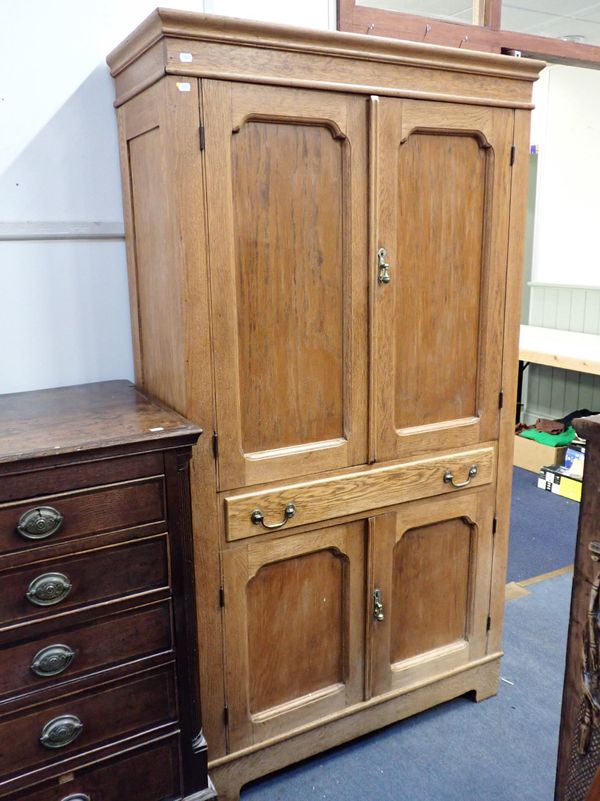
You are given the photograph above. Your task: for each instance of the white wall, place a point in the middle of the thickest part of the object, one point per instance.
(566, 126)
(65, 312)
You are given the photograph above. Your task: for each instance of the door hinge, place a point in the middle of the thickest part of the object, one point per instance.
(488, 625)
(500, 400)
(494, 525)
(201, 136)
(226, 715)
(215, 444)
(513, 152)
(221, 596)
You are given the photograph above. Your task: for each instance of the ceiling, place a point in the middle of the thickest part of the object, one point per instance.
(555, 18)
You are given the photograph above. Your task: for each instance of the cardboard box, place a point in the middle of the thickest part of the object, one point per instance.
(531, 455)
(560, 483)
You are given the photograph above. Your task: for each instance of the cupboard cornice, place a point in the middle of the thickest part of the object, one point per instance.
(198, 45)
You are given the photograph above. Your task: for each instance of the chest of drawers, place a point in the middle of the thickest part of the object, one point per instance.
(98, 651)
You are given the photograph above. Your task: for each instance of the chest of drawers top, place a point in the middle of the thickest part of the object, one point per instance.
(82, 419)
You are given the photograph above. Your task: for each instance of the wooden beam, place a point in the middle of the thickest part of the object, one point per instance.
(354, 18)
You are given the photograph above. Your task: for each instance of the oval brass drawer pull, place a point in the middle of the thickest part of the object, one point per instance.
(52, 660)
(449, 478)
(61, 731)
(48, 589)
(258, 518)
(39, 523)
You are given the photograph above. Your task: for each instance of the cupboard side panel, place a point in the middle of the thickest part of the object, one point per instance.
(158, 276)
(170, 318)
(510, 361)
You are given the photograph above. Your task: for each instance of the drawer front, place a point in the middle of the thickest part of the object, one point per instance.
(74, 651)
(79, 722)
(57, 585)
(148, 775)
(62, 517)
(51, 480)
(356, 492)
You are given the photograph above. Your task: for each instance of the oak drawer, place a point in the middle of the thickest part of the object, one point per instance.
(76, 650)
(62, 517)
(76, 723)
(151, 774)
(356, 492)
(66, 583)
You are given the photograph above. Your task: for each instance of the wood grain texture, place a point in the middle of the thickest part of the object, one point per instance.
(294, 618)
(83, 417)
(109, 641)
(289, 279)
(147, 774)
(179, 114)
(290, 352)
(231, 773)
(431, 571)
(443, 353)
(441, 195)
(93, 512)
(244, 50)
(573, 766)
(360, 491)
(510, 350)
(233, 206)
(432, 565)
(143, 702)
(488, 37)
(99, 575)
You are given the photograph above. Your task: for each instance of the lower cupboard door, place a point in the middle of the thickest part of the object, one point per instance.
(430, 584)
(294, 630)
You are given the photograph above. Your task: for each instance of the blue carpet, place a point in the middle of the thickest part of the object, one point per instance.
(503, 749)
(543, 529)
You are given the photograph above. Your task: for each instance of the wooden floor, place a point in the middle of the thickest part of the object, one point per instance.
(517, 589)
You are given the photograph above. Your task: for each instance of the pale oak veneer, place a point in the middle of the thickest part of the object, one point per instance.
(263, 169)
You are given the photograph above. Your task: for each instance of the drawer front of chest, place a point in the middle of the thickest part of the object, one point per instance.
(286, 507)
(73, 724)
(74, 651)
(72, 582)
(45, 520)
(151, 774)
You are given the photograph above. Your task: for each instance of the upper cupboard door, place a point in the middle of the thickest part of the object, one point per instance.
(441, 205)
(286, 183)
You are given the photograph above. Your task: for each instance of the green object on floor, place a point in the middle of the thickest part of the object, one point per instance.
(555, 440)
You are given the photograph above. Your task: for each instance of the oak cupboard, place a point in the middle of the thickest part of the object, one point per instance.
(324, 239)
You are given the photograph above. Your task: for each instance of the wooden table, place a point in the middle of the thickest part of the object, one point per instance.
(569, 350)
(554, 347)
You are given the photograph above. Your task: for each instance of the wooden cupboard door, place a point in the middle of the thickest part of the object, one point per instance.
(442, 189)
(294, 630)
(431, 565)
(286, 182)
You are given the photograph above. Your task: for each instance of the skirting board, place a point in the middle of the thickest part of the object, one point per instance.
(230, 773)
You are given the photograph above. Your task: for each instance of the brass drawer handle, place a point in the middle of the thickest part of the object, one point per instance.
(39, 523)
(61, 731)
(449, 478)
(48, 589)
(52, 660)
(258, 519)
(77, 797)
